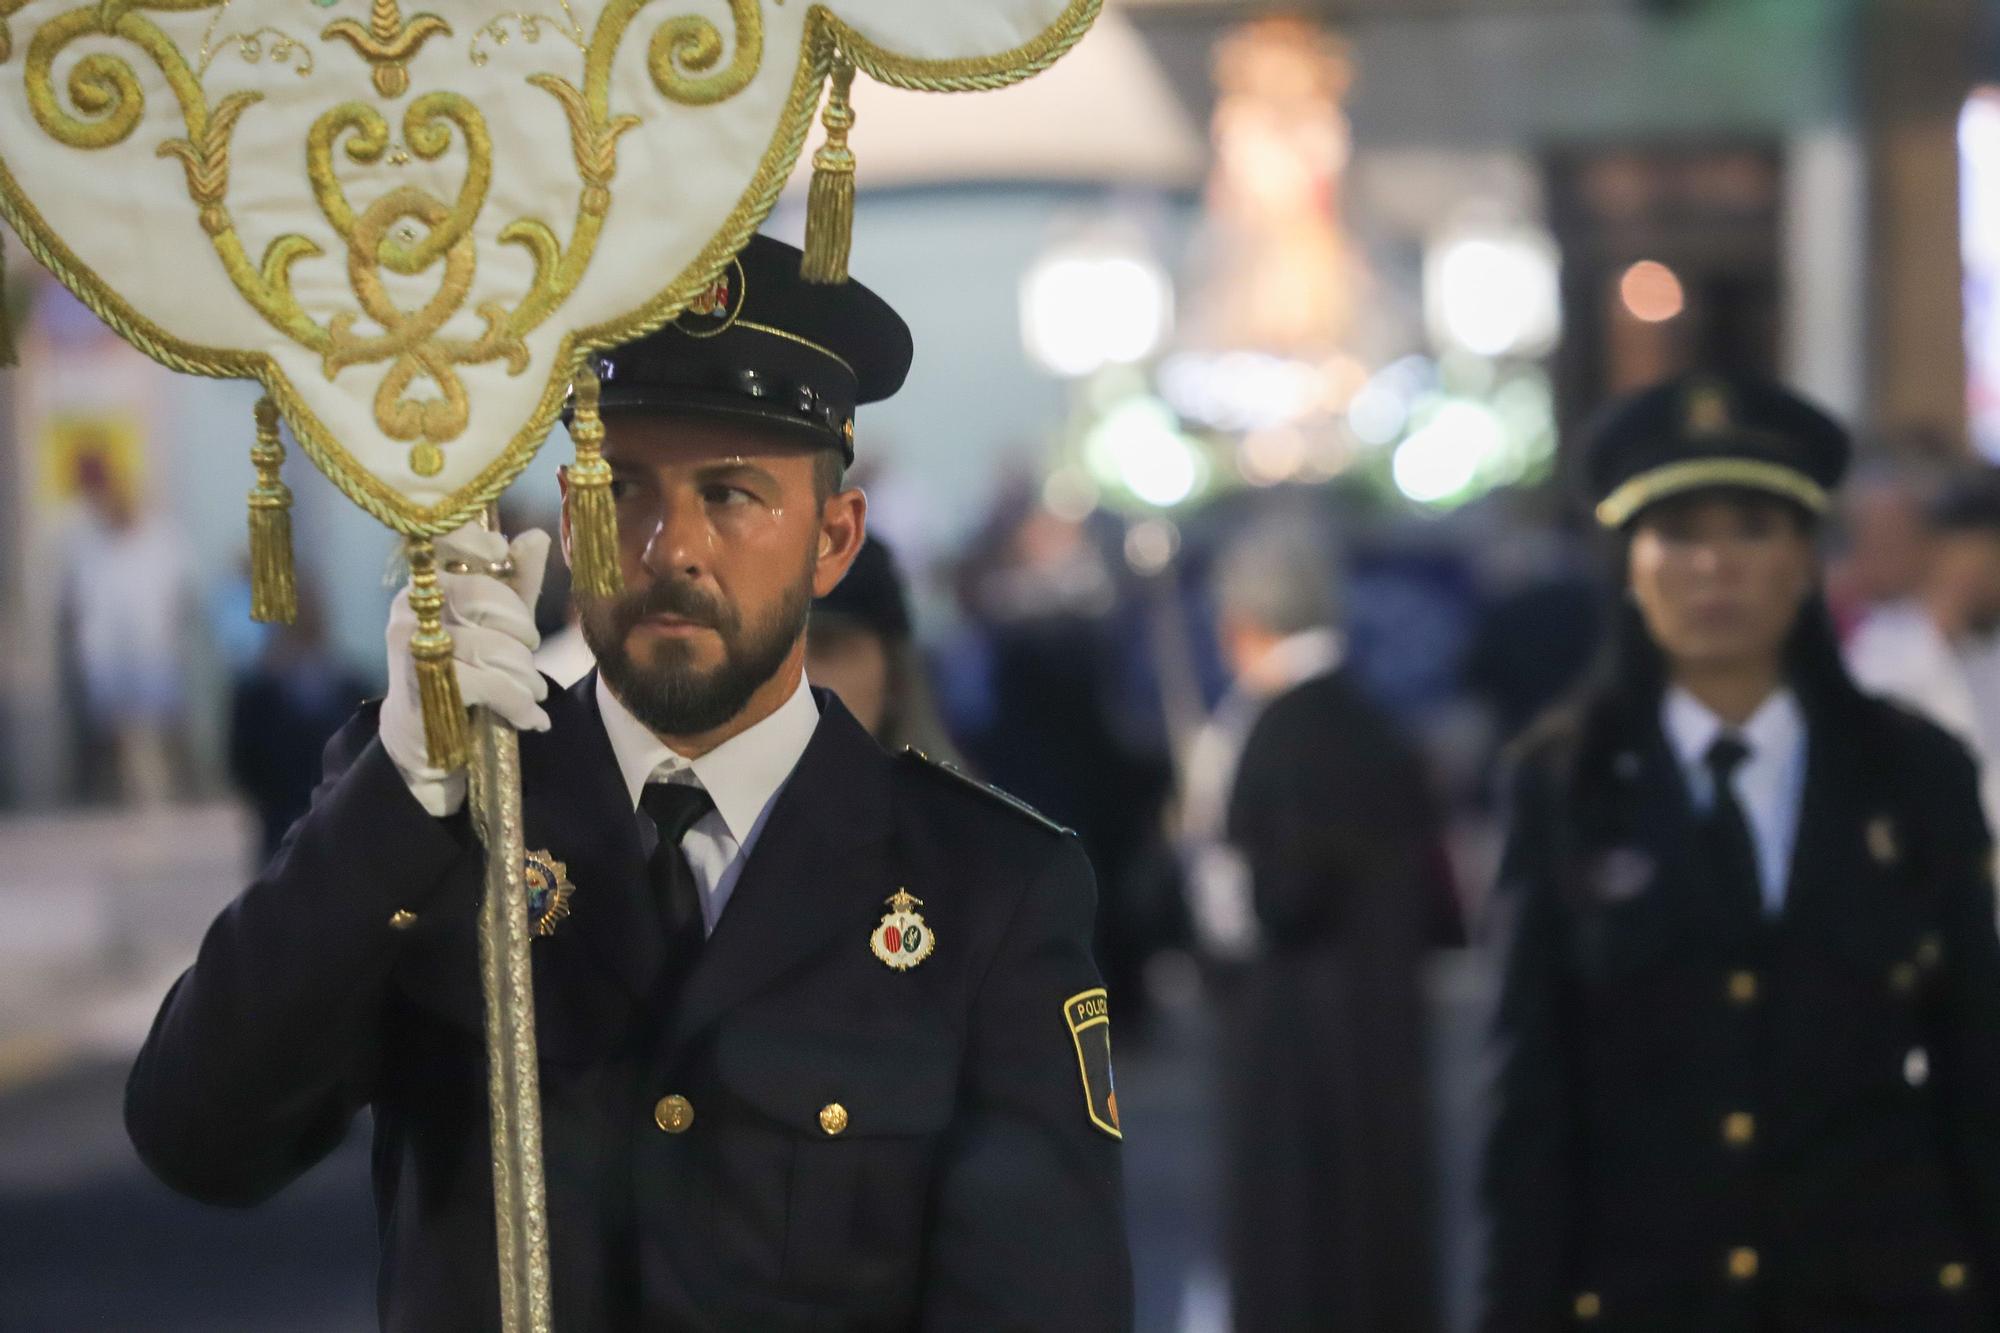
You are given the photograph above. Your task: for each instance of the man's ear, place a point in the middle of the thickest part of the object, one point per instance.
(562, 484)
(843, 527)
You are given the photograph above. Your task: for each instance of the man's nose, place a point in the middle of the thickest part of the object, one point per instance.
(678, 542)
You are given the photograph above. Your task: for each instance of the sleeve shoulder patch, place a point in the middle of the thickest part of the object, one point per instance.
(1089, 1018)
(990, 792)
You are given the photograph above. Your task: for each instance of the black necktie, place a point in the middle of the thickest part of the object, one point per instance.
(1733, 852)
(674, 807)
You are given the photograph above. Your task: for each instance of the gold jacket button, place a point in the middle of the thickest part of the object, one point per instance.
(1588, 1306)
(1743, 988)
(1917, 1067)
(1952, 1277)
(402, 920)
(1739, 1129)
(1743, 1263)
(833, 1119)
(1903, 978)
(673, 1113)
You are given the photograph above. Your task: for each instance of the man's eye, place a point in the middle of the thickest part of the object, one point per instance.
(727, 495)
(621, 488)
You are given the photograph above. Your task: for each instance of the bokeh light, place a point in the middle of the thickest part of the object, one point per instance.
(1652, 292)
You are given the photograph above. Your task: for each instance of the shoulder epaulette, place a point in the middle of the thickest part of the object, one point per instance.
(966, 780)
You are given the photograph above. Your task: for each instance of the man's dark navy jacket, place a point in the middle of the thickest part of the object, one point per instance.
(970, 1189)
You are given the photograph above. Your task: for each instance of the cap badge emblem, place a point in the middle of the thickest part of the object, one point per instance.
(1708, 410)
(549, 891)
(903, 939)
(715, 309)
(714, 301)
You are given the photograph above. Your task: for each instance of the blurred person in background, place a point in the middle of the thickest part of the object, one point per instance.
(564, 657)
(1537, 636)
(1938, 650)
(1744, 1044)
(1043, 594)
(282, 713)
(1316, 870)
(859, 645)
(1882, 542)
(126, 600)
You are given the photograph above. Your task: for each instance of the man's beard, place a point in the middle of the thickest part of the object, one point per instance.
(667, 691)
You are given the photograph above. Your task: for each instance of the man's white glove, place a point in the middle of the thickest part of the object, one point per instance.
(493, 641)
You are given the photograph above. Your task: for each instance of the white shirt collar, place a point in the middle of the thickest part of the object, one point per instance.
(1774, 731)
(1769, 787)
(1304, 656)
(742, 775)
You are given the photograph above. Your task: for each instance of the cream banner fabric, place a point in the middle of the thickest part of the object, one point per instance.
(406, 222)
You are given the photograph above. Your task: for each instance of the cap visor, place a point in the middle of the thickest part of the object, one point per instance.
(1664, 483)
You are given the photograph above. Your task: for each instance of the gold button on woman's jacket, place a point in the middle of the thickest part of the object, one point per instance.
(1742, 988)
(402, 920)
(673, 1113)
(1588, 1306)
(1952, 1277)
(833, 1118)
(1739, 1129)
(1743, 1263)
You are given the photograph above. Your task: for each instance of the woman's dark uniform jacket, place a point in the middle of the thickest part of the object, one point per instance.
(969, 1190)
(1709, 1123)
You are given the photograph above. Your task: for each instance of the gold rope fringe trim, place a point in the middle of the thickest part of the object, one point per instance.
(447, 735)
(830, 200)
(593, 519)
(8, 356)
(274, 592)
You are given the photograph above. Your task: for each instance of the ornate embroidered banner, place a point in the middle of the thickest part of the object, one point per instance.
(406, 224)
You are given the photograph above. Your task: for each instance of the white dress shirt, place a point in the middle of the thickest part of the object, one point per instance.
(743, 776)
(1900, 653)
(1770, 785)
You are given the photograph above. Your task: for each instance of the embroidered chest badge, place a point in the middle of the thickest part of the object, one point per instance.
(903, 939)
(549, 891)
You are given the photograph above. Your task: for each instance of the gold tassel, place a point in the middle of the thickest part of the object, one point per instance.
(8, 356)
(593, 520)
(446, 733)
(274, 593)
(830, 201)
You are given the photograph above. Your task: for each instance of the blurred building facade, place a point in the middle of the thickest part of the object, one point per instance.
(1771, 183)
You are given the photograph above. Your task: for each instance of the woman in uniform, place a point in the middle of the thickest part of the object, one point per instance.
(1748, 1035)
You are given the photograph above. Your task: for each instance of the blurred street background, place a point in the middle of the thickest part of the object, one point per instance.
(1359, 269)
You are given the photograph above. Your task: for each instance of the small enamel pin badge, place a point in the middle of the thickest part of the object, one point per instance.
(903, 939)
(1622, 874)
(1882, 842)
(549, 891)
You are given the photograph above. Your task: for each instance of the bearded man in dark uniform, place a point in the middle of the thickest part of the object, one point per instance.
(822, 1044)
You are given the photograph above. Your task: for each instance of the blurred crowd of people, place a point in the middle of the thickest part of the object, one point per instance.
(1282, 745)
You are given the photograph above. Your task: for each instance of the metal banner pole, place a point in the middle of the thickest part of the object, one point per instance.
(513, 1088)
